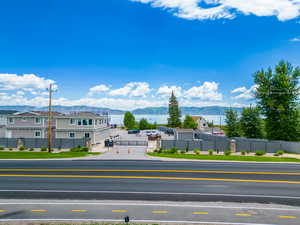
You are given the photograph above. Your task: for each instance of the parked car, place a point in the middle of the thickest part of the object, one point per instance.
(135, 131)
(152, 133)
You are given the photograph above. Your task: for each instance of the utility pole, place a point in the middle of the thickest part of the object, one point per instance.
(50, 120)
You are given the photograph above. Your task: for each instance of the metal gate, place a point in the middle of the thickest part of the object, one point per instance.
(131, 143)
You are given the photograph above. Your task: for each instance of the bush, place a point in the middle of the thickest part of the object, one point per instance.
(31, 150)
(228, 152)
(84, 149)
(182, 152)
(43, 149)
(22, 148)
(243, 152)
(1, 148)
(280, 152)
(260, 153)
(79, 149)
(211, 152)
(197, 151)
(10, 149)
(171, 151)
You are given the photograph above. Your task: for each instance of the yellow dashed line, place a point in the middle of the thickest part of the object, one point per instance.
(119, 211)
(39, 210)
(243, 214)
(200, 213)
(160, 212)
(287, 217)
(2, 211)
(78, 210)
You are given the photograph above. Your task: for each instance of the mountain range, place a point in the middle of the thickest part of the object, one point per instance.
(207, 110)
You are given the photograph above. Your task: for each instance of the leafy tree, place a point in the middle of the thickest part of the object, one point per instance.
(143, 124)
(129, 121)
(277, 92)
(251, 123)
(189, 123)
(174, 112)
(233, 127)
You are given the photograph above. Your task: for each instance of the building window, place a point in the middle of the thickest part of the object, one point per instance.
(24, 119)
(72, 135)
(79, 122)
(84, 122)
(87, 135)
(11, 120)
(38, 120)
(38, 133)
(72, 121)
(90, 122)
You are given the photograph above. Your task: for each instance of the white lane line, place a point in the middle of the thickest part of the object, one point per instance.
(134, 220)
(154, 193)
(150, 204)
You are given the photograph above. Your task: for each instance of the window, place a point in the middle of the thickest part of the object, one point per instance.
(90, 122)
(38, 120)
(79, 123)
(87, 135)
(72, 135)
(38, 133)
(11, 120)
(24, 119)
(84, 122)
(72, 121)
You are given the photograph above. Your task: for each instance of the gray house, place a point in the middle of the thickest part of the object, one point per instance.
(83, 125)
(29, 124)
(3, 121)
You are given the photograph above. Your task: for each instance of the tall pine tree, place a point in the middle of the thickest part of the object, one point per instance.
(174, 112)
(232, 124)
(251, 123)
(277, 95)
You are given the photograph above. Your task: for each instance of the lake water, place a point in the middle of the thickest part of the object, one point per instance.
(163, 119)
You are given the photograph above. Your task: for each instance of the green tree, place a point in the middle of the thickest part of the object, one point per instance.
(277, 92)
(144, 125)
(174, 112)
(189, 123)
(129, 121)
(251, 123)
(232, 124)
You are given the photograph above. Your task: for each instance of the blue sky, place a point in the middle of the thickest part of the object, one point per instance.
(130, 54)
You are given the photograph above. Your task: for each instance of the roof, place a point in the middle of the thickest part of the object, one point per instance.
(197, 117)
(36, 113)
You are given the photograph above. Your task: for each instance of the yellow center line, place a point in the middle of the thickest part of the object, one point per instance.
(160, 212)
(39, 210)
(242, 214)
(287, 217)
(2, 211)
(78, 210)
(153, 178)
(137, 170)
(119, 211)
(200, 213)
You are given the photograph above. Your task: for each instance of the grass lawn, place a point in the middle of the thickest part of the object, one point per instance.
(42, 155)
(224, 157)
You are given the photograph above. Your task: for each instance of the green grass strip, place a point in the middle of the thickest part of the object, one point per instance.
(43, 155)
(224, 157)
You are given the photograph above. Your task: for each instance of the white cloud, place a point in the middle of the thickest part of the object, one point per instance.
(165, 91)
(98, 89)
(134, 89)
(207, 91)
(245, 93)
(228, 9)
(26, 82)
(295, 39)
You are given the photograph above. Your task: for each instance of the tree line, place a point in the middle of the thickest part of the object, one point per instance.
(276, 114)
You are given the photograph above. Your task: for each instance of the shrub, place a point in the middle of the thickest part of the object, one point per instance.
(84, 149)
(182, 152)
(280, 152)
(1, 148)
(260, 153)
(22, 148)
(76, 149)
(43, 149)
(211, 152)
(228, 152)
(171, 151)
(10, 149)
(31, 150)
(197, 151)
(243, 152)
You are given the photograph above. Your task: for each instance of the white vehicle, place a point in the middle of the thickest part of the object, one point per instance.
(152, 132)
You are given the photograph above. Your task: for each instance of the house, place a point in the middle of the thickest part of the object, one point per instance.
(83, 125)
(3, 121)
(201, 122)
(184, 134)
(32, 124)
